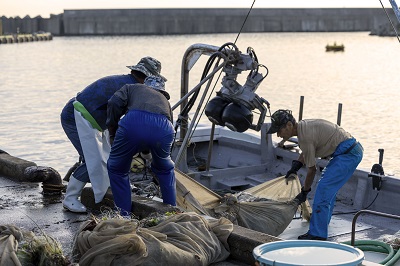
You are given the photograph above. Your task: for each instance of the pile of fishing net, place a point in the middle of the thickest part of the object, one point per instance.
(20, 247)
(268, 207)
(180, 239)
(393, 240)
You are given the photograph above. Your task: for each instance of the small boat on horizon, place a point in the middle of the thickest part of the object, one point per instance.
(334, 48)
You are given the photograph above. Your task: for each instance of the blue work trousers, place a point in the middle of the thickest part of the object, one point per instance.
(138, 131)
(338, 171)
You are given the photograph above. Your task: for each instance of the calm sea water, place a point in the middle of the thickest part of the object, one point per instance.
(37, 79)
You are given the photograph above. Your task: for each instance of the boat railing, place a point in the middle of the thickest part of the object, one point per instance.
(353, 225)
(190, 58)
(192, 54)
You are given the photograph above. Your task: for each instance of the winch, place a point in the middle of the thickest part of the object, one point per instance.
(234, 103)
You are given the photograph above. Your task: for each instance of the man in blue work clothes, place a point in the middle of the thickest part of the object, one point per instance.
(146, 125)
(84, 121)
(318, 138)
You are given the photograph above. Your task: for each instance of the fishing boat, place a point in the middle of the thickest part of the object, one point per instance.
(229, 153)
(233, 153)
(334, 47)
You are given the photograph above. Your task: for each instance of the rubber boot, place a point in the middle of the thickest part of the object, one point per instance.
(74, 190)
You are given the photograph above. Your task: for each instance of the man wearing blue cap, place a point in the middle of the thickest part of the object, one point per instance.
(84, 121)
(146, 125)
(319, 138)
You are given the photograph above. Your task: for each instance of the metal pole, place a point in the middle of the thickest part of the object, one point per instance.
(197, 87)
(190, 58)
(339, 116)
(194, 119)
(301, 108)
(210, 147)
(380, 155)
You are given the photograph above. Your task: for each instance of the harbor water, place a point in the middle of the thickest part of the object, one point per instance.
(38, 78)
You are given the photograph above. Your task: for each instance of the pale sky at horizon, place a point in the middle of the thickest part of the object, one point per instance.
(33, 8)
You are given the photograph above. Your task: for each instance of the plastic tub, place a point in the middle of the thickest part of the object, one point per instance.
(307, 252)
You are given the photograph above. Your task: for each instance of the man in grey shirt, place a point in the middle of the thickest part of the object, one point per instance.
(319, 138)
(146, 125)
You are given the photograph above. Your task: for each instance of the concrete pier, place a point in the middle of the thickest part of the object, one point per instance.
(24, 205)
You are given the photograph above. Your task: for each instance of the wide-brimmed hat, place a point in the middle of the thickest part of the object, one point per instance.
(279, 119)
(148, 66)
(157, 83)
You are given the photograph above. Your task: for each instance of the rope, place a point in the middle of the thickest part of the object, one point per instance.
(244, 22)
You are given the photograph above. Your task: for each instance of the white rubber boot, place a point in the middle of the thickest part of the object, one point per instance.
(74, 190)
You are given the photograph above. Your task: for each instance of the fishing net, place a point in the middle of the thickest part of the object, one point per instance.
(268, 207)
(21, 247)
(282, 189)
(193, 196)
(393, 240)
(181, 239)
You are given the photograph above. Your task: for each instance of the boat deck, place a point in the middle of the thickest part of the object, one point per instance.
(368, 227)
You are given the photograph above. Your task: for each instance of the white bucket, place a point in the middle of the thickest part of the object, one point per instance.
(307, 252)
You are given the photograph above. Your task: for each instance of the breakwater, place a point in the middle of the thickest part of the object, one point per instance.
(20, 38)
(200, 21)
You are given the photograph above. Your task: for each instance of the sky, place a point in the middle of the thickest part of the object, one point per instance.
(33, 8)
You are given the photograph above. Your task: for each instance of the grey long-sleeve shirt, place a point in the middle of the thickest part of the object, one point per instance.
(136, 97)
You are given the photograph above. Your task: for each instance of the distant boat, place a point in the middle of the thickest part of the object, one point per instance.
(334, 48)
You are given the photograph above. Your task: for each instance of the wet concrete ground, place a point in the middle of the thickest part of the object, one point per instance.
(24, 205)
